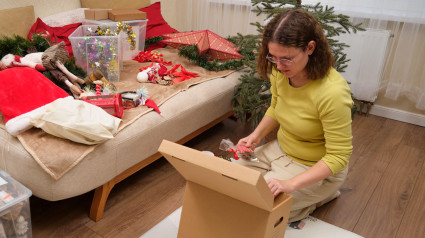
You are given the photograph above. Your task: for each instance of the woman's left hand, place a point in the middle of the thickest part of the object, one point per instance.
(279, 186)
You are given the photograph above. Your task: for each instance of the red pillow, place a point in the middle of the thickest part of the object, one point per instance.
(55, 34)
(156, 25)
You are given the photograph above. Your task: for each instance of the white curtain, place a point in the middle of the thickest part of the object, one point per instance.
(404, 67)
(403, 72)
(223, 17)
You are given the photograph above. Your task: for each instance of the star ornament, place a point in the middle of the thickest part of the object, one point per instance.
(208, 43)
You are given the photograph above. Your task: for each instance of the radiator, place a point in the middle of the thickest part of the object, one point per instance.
(367, 54)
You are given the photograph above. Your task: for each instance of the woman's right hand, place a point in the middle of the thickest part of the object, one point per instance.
(250, 141)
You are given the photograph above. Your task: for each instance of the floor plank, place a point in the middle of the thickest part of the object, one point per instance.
(412, 224)
(136, 201)
(372, 152)
(382, 215)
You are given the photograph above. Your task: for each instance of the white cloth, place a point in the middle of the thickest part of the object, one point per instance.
(77, 121)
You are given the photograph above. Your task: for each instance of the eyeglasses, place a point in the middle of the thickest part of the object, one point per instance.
(283, 61)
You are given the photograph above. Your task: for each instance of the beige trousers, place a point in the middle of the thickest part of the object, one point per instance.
(274, 163)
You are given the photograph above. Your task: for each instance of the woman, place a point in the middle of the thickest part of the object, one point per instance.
(311, 103)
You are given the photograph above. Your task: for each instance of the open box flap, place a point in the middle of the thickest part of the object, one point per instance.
(223, 176)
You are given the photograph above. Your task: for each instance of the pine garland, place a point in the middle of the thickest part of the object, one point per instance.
(191, 52)
(153, 40)
(18, 45)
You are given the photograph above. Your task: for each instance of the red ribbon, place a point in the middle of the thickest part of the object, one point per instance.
(182, 75)
(234, 153)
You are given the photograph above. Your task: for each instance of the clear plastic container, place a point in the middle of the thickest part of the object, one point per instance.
(97, 52)
(139, 29)
(15, 216)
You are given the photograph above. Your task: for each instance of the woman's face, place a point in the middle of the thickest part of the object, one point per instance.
(291, 61)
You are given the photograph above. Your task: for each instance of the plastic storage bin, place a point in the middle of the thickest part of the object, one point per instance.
(97, 52)
(139, 29)
(15, 216)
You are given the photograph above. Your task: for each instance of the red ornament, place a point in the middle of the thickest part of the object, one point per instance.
(150, 103)
(112, 104)
(151, 56)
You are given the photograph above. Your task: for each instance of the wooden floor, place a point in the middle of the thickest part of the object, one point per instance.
(384, 194)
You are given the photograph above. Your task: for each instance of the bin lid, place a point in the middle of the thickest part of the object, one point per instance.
(11, 191)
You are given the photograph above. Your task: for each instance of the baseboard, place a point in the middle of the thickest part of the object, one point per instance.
(399, 115)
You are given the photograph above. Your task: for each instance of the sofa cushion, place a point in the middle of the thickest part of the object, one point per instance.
(56, 34)
(157, 26)
(16, 21)
(65, 18)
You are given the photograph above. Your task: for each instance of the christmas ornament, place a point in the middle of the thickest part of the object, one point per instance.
(137, 98)
(112, 104)
(151, 56)
(239, 151)
(208, 43)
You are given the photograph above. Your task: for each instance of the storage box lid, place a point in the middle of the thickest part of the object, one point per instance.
(11, 191)
(220, 175)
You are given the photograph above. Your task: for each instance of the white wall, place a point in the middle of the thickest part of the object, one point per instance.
(42, 8)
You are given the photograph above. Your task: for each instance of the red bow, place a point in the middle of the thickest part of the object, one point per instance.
(181, 76)
(235, 153)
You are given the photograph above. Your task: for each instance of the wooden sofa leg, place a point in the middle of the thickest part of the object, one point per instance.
(99, 200)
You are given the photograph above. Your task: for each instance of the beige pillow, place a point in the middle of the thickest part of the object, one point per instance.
(77, 121)
(65, 18)
(16, 21)
(136, 4)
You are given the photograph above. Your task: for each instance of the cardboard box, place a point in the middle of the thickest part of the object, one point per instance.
(225, 199)
(125, 14)
(96, 14)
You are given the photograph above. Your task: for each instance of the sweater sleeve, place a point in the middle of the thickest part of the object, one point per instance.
(335, 114)
(270, 111)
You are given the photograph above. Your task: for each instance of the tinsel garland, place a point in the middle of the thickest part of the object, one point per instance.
(106, 31)
(191, 52)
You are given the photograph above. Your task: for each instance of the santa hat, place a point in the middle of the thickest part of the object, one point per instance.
(25, 91)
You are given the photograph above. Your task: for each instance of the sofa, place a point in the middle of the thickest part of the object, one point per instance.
(184, 115)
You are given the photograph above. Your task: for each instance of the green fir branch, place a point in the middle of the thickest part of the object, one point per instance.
(191, 53)
(153, 40)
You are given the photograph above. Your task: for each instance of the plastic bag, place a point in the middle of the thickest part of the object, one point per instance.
(239, 151)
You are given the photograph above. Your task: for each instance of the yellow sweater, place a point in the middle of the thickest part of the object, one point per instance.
(315, 119)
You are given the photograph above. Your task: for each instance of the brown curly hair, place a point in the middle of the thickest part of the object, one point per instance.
(296, 28)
